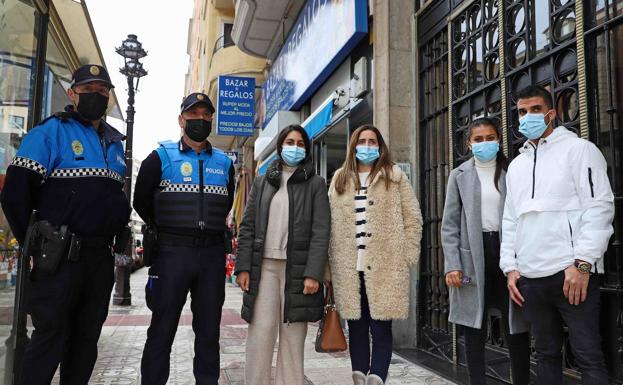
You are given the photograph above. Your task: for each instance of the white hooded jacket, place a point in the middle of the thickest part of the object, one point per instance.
(559, 207)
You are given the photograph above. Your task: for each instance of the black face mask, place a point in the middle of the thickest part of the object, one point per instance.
(92, 105)
(198, 129)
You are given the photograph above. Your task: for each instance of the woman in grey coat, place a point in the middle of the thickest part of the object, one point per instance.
(282, 252)
(470, 238)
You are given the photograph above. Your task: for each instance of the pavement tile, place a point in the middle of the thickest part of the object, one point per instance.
(124, 334)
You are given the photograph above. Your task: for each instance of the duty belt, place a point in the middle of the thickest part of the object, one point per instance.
(94, 242)
(191, 240)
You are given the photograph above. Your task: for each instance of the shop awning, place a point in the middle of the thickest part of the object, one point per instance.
(262, 167)
(313, 125)
(317, 121)
(76, 24)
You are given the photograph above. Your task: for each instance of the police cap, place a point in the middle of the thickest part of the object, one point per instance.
(197, 98)
(91, 73)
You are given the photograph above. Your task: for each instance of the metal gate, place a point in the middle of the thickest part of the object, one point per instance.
(469, 67)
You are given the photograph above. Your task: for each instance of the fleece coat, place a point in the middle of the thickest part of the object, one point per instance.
(394, 227)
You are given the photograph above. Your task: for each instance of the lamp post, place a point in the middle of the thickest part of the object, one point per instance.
(132, 51)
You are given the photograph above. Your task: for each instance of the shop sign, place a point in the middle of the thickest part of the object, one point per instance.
(235, 106)
(321, 38)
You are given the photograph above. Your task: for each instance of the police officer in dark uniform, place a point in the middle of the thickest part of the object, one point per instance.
(70, 170)
(185, 189)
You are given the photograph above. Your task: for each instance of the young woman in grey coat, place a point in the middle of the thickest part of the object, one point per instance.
(470, 238)
(282, 252)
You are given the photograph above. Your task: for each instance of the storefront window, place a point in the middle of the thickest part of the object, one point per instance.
(17, 62)
(57, 79)
(330, 150)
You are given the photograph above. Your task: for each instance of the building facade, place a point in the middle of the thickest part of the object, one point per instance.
(320, 55)
(470, 57)
(212, 53)
(421, 72)
(334, 65)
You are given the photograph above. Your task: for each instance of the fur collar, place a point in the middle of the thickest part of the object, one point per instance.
(396, 176)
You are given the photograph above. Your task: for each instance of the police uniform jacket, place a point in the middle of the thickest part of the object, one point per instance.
(71, 174)
(183, 192)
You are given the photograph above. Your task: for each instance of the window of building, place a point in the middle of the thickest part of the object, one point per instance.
(57, 79)
(17, 60)
(227, 40)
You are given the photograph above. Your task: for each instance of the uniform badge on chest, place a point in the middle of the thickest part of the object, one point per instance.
(186, 169)
(77, 147)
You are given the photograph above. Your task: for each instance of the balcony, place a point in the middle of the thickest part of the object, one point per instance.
(222, 42)
(260, 25)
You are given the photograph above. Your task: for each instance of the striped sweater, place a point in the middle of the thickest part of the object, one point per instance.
(361, 202)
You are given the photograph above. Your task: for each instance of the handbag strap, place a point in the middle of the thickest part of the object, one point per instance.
(328, 299)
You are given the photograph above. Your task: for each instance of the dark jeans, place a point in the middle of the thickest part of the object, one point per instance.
(496, 297)
(176, 271)
(546, 308)
(68, 310)
(359, 340)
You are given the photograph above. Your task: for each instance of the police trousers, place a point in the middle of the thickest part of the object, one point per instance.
(175, 271)
(68, 310)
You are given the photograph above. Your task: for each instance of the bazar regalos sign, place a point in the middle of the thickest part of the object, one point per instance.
(324, 34)
(235, 106)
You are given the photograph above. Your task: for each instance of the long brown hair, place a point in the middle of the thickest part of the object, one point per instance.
(501, 162)
(349, 167)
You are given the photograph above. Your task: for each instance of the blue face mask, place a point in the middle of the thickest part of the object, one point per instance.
(292, 155)
(485, 151)
(532, 126)
(366, 154)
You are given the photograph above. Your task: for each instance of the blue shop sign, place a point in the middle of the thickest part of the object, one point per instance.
(324, 34)
(235, 106)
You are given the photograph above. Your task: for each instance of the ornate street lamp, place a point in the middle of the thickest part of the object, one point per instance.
(132, 51)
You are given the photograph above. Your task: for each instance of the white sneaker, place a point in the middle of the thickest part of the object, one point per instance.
(359, 378)
(373, 379)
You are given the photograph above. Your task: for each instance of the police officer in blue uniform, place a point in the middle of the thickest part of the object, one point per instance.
(185, 189)
(70, 170)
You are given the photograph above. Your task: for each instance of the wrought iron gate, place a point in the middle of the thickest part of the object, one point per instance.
(468, 67)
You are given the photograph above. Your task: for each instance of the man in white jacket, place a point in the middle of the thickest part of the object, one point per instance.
(557, 223)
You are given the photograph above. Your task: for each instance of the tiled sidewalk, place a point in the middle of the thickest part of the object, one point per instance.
(124, 334)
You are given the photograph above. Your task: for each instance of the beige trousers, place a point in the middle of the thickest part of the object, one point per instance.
(267, 323)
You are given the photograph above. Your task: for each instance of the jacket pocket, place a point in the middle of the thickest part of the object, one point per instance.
(467, 263)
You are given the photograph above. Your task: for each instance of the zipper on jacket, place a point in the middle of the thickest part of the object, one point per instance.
(286, 305)
(202, 224)
(536, 148)
(590, 181)
(104, 151)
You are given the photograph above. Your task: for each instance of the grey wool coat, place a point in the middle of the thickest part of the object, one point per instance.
(461, 239)
(308, 240)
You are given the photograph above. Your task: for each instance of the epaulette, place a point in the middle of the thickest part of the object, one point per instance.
(62, 115)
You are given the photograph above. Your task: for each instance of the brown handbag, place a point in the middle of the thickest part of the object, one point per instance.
(330, 337)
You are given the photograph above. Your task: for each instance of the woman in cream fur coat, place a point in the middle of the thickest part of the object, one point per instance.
(376, 228)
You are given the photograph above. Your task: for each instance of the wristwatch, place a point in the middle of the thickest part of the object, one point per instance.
(583, 267)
